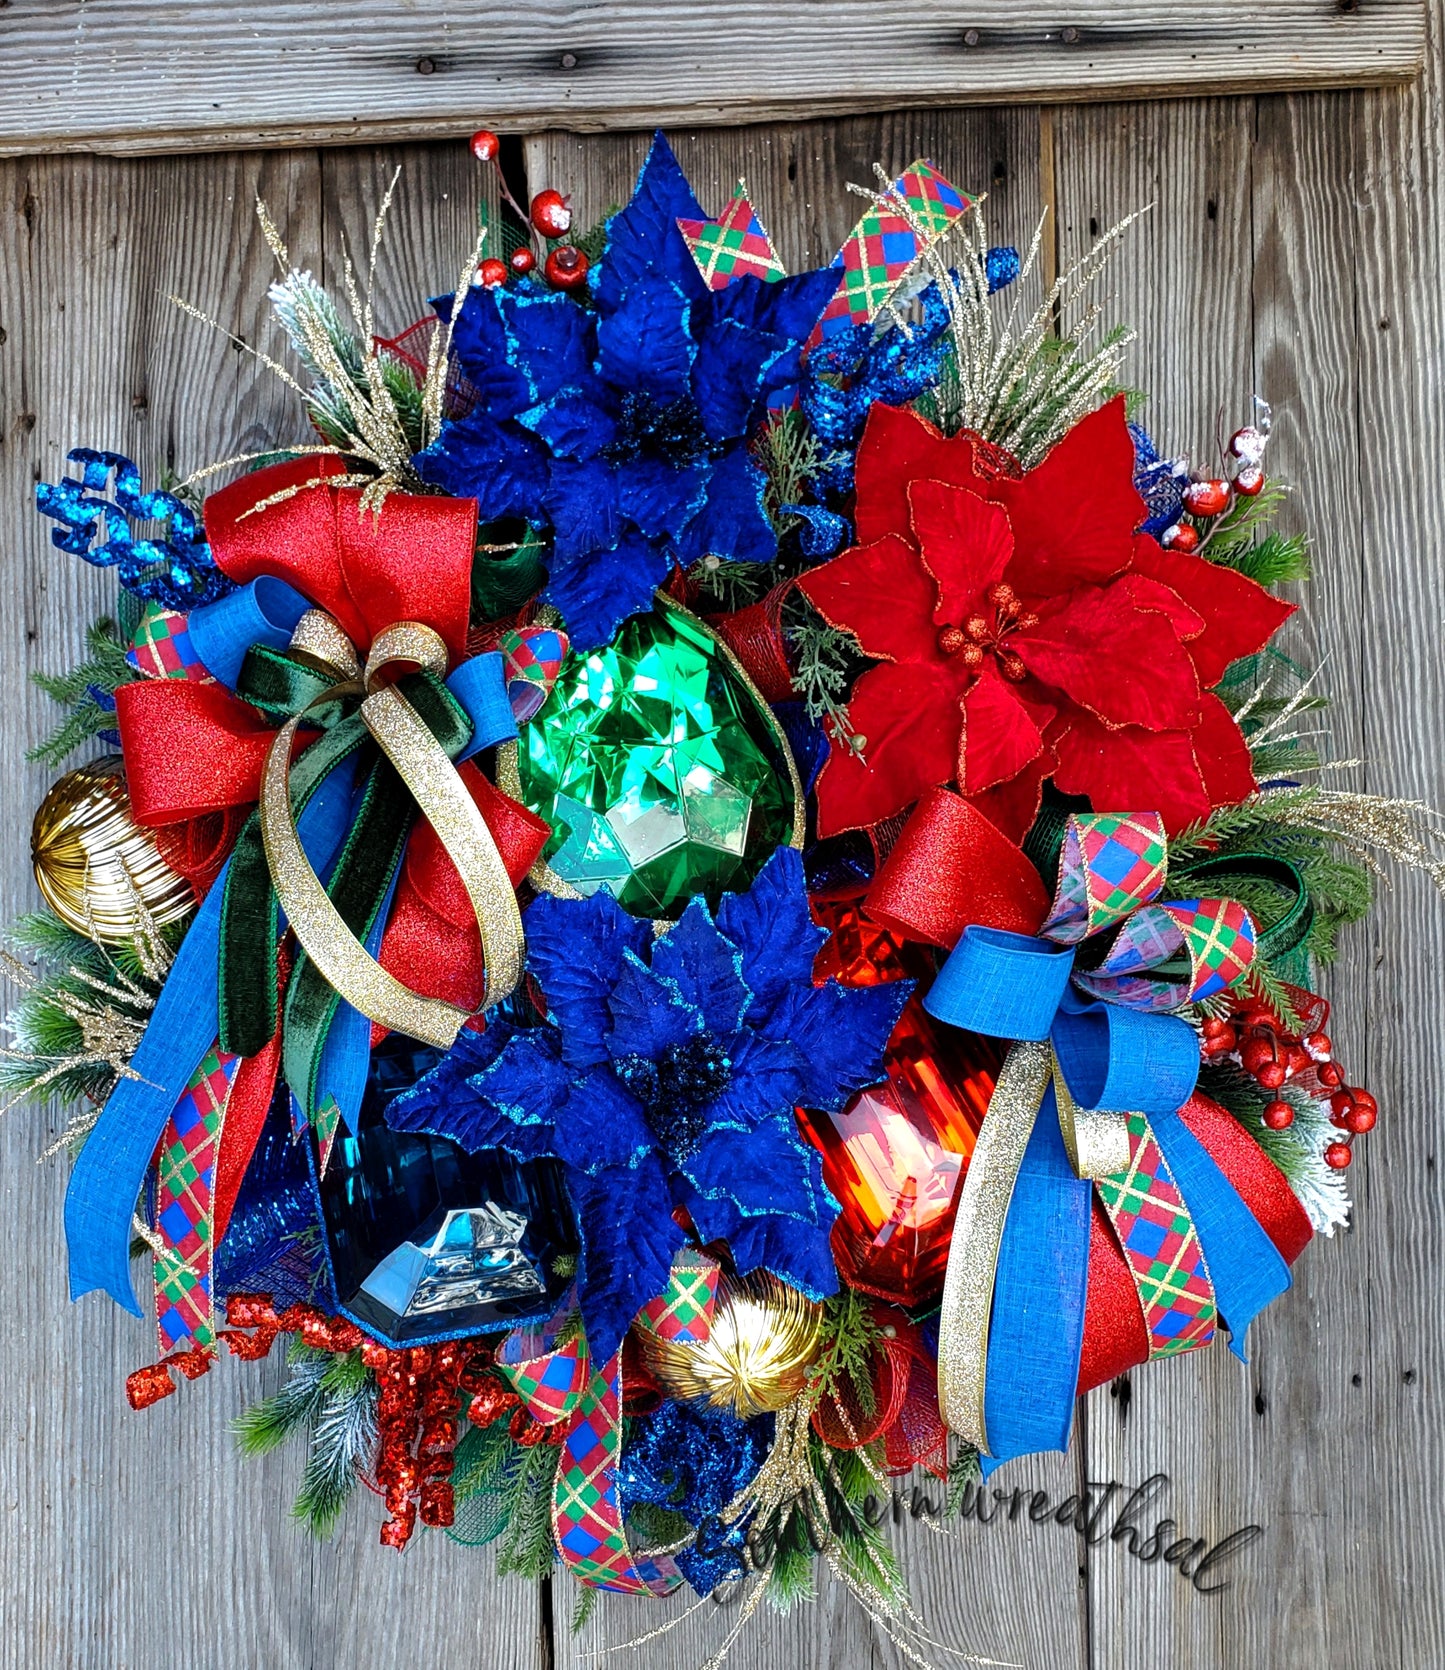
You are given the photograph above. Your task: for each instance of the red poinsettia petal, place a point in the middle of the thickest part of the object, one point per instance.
(1000, 735)
(908, 716)
(1121, 662)
(1131, 770)
(1075, 514)
(1013, 806)
(1222, 755)
(1239, 615)
(899, 447)
(965, 541)
(1147, 593)
(882, 594)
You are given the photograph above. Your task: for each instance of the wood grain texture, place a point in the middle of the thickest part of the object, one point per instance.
(124, 1533)
(156, 75)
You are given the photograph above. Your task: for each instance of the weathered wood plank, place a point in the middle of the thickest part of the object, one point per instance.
(174, 74)
(130, 1534)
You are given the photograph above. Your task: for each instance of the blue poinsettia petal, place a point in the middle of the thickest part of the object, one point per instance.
(628, 1241)
(660, 497)
(582, 504)
(575, 949)
(575, 424)
(552, 340)
(480, 341)
(645, 345)
(600, 1125)
(774, 929)
(728, 378)
(500, 465)
(444, 1103)
(764, 1170)
(528, 1081)
(841, 1033)
(648, 1015)
(705, 968)
(732, 522)
(768, 1077)
(787, 307)
(643, 239)
(595, 594)
(793, 1249)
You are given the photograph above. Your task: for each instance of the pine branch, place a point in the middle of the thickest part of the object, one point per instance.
(104, 670)
(343, 1443)
(267, 1425)
(847, 1344)
(527, 1547)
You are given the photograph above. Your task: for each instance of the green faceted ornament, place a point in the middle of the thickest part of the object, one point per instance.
(660, 768)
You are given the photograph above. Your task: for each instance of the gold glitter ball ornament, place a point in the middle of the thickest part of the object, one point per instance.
(97, 869)
(764, 1336)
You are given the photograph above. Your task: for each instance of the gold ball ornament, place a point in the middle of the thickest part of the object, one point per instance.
(764, 1337)
(95, 866)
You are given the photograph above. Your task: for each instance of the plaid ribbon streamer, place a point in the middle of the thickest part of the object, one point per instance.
(735, 245)
(1161, 1247)
(161, 646)
(558, 1382)
(183, 1220)
(886, 245)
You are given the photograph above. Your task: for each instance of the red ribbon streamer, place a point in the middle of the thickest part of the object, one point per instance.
(952, 869)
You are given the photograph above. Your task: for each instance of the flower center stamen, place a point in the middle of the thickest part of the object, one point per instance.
(980, 634)
(676, 1087)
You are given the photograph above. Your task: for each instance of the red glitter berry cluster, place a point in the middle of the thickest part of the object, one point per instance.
(564, 266)
(1207, 497)
(1273, 1055)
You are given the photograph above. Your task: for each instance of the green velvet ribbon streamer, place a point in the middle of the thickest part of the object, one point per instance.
(361, 880)
(1288, 933)
(361, 877)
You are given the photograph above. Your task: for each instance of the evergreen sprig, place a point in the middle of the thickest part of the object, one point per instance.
(527, 1547)
(104, 670)
(828, 661)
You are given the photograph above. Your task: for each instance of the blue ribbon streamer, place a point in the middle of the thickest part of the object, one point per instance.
(1016, 986)
(346, 1054)
(480, 686)
(1244, 1264)
(107, 1179)
(264, 612)
(1037, 1331)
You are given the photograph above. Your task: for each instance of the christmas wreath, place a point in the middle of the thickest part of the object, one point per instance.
(711, 898)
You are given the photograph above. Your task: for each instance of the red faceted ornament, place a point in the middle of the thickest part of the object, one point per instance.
(566, 268)
(859, 952)
(895, 1158)
(550, 214)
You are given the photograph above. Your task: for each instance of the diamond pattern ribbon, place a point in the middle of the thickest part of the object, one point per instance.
(161, 646)
(735, 245)
(557, 1382)
(888, 242)
(1161, 1247)
(183, 1218)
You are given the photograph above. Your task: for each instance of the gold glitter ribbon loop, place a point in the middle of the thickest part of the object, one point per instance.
(442, 796)
(1096, 1140)
(988, 1187)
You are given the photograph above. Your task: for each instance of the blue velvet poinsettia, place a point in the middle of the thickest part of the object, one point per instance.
(666, 1078)
(626, 425)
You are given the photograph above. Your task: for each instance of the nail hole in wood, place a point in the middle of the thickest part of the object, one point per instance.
(569, 60)
(1071, 37)
(970, 37)
(425, 66)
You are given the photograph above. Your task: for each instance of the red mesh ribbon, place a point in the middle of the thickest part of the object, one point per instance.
(903, 1408)
(198, 848)
(952, 868)
(755, 636)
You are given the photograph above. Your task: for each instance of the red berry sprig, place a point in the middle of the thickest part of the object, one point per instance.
(1273, 1055)
(549, 219)
(1208, 497)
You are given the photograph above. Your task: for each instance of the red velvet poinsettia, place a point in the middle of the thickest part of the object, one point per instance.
(1026, 630)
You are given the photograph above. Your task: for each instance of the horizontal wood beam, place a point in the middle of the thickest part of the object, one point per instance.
(165, 75)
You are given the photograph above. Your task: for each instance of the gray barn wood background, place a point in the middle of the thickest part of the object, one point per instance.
(1295, 248)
